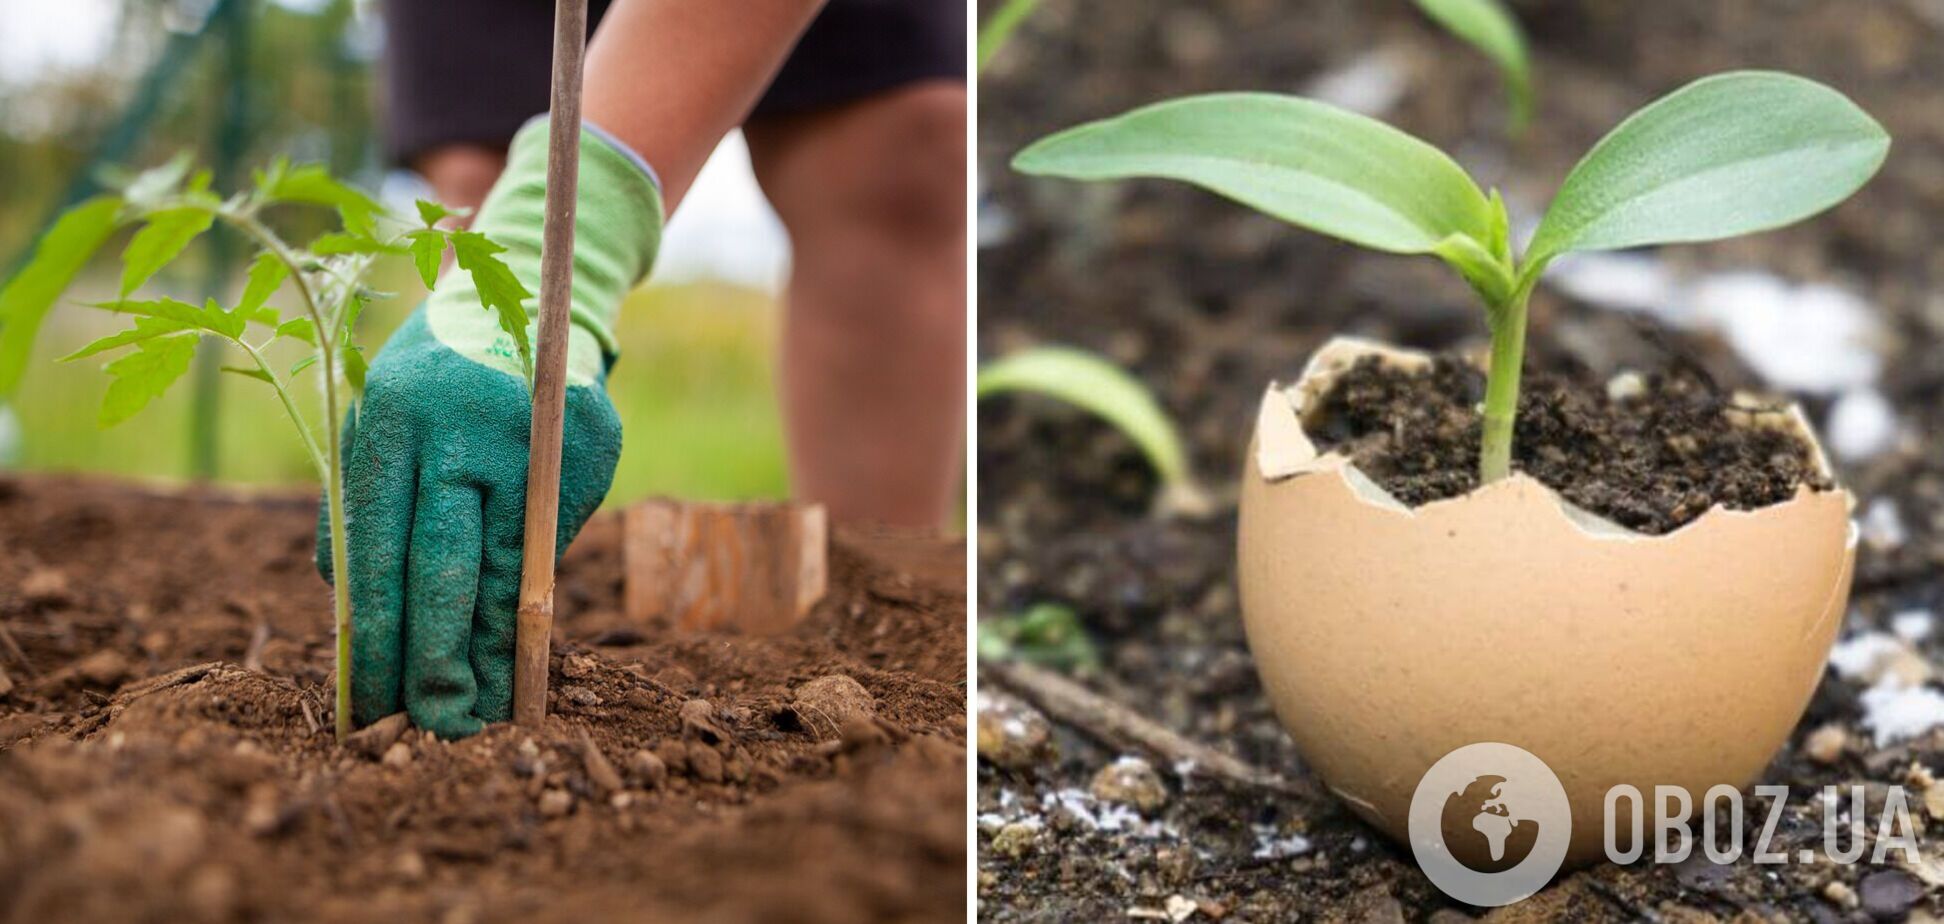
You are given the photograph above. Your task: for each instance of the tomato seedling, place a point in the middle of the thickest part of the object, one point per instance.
(173, 208)
(1723, 156)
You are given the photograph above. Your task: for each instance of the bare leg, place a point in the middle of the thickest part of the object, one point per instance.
(873, 366)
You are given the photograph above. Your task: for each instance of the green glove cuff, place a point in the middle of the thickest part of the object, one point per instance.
(617, 231)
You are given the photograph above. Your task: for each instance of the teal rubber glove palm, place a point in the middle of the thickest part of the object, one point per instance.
(436, 453)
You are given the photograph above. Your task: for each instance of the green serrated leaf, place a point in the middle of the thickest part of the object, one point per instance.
(58, 258)
(499, 290)
(165, 236)
(300, 328)
(1723, 156)
(142, 376)
(251, 372)
(1305, 162)
(209, 317)
(157, 183)
(1492, 29)
(432, 212)
(336, 243)
(304, 363)
(146, 328)
(428, 250)
(354, 368)
(313, 184)
(267, 273)
(1098, 386)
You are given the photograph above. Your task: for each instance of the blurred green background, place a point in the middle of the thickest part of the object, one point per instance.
(88, 82)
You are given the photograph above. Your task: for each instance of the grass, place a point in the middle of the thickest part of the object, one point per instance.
(694, 388)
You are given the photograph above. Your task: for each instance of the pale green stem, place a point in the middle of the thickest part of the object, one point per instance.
(290, 407)
(333, 464)
(1502, 386)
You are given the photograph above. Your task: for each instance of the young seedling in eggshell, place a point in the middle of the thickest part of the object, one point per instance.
(1726, 155)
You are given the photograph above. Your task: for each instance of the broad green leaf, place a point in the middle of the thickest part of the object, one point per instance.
(313, 184)
(267, 273)
(251, 372)
(160, 241)
(1305, 162)
(60, 255)
(157, 183)
(1098, 386)
(432, 212)
(499, 290)
(142, 376)
(999, 27)
(300, 328)
(428, 249)
(146, 328)
(354, 368)
(1491, 28)
(209, 317)
(1725, 155)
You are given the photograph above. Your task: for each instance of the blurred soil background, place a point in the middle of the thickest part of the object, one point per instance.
(1207, 301)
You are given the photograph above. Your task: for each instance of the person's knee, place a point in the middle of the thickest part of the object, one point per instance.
(887, 172)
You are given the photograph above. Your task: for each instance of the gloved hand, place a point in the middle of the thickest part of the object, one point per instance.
(436, 455)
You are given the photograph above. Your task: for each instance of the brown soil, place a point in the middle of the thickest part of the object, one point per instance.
(1651, 461)
(165, 752)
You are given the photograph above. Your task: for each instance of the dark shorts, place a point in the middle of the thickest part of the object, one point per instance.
(473, 71)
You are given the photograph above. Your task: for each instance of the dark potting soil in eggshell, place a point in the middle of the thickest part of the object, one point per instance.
(1650, 461)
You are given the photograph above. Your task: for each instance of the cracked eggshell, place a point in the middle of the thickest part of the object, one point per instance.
(1388, 636)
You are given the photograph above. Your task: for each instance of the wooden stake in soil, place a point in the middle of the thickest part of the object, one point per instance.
(535, 626)
(754, 568)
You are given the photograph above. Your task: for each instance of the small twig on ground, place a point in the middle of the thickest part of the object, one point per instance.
(253, 655)
(13, 648)
(1118, 726)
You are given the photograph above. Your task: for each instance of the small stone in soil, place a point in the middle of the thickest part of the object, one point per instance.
(1012, 735)
(1015, 839)
(1887, 894)
(398, 756)
(698, 721)
(826, 704)
(1825, 744)
(1130, 781)
(705, 764)
(556, 802)
(648, 769)
(1839, 893)
(600, 771)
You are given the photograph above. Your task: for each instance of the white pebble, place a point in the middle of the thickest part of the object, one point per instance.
(1895, 712)
(1861, 425)
(1913, 625)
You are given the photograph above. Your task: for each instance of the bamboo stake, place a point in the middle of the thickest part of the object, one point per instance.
(535, 625)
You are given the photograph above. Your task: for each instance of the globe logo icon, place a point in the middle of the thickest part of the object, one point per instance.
(1490, 824)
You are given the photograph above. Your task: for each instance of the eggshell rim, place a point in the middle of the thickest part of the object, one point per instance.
(1285, 451)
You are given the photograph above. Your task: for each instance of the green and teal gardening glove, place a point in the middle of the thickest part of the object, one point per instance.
(436, 454)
